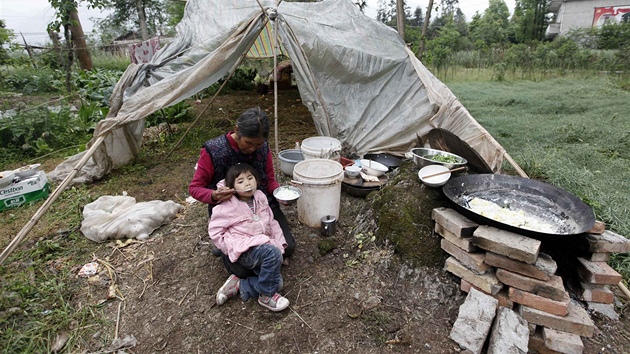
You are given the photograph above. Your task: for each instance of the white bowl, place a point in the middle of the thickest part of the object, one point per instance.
(373, 168)
(353, 171)
(287, 195)
(7, 178)
(27, 171)
(436, 181)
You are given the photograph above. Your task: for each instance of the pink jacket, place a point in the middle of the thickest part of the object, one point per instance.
(234, 229)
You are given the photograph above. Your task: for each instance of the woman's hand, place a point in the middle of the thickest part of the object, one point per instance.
(222, 194)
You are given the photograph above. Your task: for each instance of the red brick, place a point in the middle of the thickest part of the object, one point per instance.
(502, 295)
(577, 321)
(507, 243)
(596, 293)
(454, 222)
(485, 282)
(552, 288)
(472, 260)
(598, 228)
(597, 272)
(607, 242)
(560, 308)
(567, 343)
(537, 343)
(463, 243)
(542, 269)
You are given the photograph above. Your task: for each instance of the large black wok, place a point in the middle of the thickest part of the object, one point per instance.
(565, 212)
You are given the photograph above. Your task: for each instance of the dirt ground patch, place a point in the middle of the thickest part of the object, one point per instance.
(364, 300)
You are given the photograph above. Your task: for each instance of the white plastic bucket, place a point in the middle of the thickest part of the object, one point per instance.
(321, 147)
(320, 182)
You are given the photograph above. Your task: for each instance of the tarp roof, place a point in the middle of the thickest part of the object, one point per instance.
(356, 76)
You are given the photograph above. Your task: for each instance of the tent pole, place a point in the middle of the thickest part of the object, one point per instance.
(518, 168)
(42, 210)
(275, 88)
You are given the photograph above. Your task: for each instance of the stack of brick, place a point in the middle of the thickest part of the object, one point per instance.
(510, 268)
(595, 274)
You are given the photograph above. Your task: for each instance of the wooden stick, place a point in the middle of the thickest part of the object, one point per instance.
(444, 172)
(624, 290)
(117, 321)
(518, 168)
(51, 199)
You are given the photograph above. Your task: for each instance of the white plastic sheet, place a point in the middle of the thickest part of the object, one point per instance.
(115, 217)
(356, 76)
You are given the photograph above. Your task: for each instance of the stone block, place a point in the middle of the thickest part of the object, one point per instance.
(454, 222)
(501, 296)
(562, 342)
(560, 308)
(607, 310)
(606, 242)
(509, 334)
(596, 293)
(542, 269)
(487, 282)
(577, 321)
(507, 243)
(474, 321)
(463, 243)
(472, 260)
(597, 272)
(537, 343)
(552, 288)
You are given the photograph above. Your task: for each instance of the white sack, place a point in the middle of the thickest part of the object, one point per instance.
(114, 217)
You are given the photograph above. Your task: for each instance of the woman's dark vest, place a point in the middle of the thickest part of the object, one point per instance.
(223, 157)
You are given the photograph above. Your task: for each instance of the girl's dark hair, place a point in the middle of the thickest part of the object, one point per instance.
(253, 123)
(236, 171)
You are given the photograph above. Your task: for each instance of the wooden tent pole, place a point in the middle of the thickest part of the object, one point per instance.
(275, 88)
(518, 168)
(51, 199)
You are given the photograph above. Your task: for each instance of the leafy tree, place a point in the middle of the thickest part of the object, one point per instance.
(6, 35)
(417, 20)
(491, 29)
(529, 20)
(127, 16)
(440, 50)
(460, 22)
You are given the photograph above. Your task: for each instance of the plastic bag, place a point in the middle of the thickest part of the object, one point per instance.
(115, 217)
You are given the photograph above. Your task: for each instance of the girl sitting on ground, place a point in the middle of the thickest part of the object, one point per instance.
(244, 229)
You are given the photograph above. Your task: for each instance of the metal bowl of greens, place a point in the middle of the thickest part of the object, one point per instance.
(424, 157)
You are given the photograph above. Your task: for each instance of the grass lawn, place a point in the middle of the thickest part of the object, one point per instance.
(572, 133)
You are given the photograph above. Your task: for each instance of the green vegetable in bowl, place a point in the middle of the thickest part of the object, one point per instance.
(443, 158)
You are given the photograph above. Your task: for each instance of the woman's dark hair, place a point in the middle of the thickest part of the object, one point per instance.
(236, 171)
(253, 123)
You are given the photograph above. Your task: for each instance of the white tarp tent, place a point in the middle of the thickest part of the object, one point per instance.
(361, 83)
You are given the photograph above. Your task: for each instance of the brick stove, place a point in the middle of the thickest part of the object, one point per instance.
(526, 275)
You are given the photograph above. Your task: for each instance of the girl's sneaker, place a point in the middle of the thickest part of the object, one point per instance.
(228, 290)
(274, 303)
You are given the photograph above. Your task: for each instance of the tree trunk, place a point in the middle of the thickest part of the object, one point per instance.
(425, 26)
(80, 45)
(400, 18)
(142, 17)
(54, 37)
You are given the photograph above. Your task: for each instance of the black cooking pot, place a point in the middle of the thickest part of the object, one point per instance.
(390, 161)
(567, 214)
